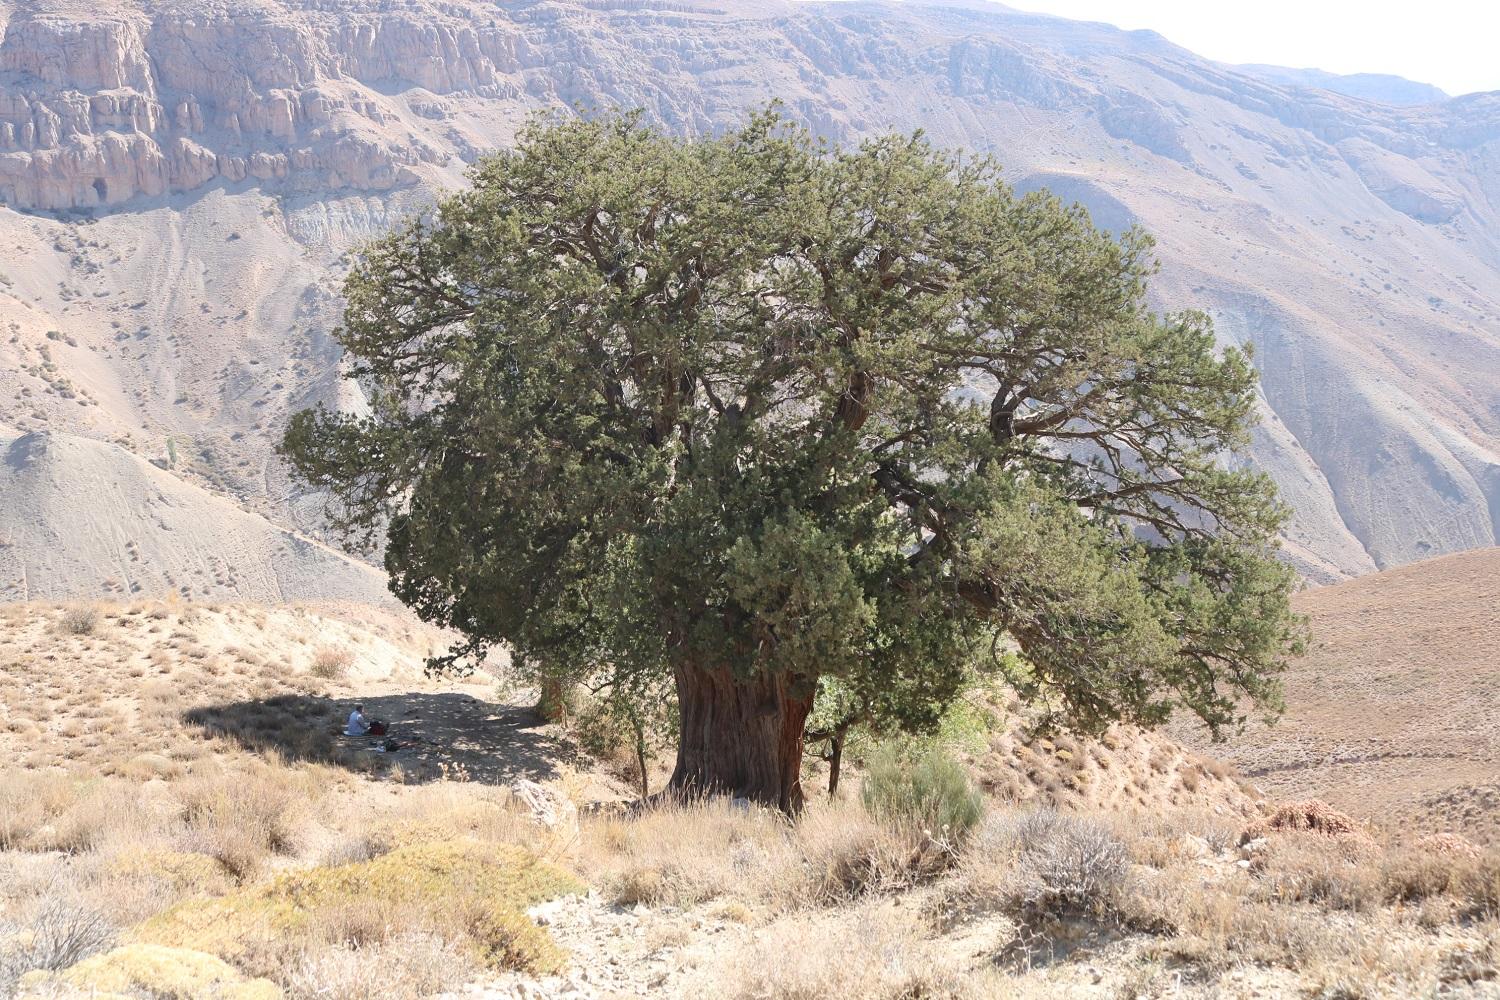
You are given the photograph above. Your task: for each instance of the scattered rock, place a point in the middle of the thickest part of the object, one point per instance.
(545, 806)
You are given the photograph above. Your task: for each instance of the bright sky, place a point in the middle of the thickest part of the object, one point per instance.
(1451, 44)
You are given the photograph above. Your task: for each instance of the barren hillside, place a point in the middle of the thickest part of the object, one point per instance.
(80, 517)
(181, 180)
(1394, 714)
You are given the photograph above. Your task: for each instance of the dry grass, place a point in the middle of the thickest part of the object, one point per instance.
(683, 855)
(243, 817)
(405, 965)
(874, 952)
(331, 663)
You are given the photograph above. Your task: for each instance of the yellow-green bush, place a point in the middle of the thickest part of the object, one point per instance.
(157, 970)
(466, 891)
(184, 873)
(932, 792)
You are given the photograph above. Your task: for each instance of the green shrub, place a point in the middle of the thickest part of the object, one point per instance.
(932, 792)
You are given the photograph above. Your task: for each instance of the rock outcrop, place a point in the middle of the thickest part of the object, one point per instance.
(98, 113)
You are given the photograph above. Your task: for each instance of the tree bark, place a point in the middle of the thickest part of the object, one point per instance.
(835, 761)
(742, 736)
(552, 705)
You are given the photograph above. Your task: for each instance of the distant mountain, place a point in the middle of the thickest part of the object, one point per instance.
(184, 178)
(1381, 88)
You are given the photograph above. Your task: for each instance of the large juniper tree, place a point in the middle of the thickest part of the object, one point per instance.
(745, 412)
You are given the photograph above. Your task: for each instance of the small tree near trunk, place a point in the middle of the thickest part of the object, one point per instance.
(746, 412)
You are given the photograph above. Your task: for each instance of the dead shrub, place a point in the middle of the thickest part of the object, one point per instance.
(1069, 865)
(80, 619)
(62, 930)
(1310, 816)
(331, 663)
(1041, 865)
(408, 965)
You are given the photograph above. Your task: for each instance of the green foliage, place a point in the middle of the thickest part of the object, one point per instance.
(841, 711)
(931, 791)
(625, 720)
(640, 405)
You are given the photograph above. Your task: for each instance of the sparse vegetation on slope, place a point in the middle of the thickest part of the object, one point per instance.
(278, 867)
(1392, 713)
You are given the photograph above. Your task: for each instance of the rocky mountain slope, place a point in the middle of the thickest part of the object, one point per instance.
(83, 517)
(1394, 714)
(181, 180)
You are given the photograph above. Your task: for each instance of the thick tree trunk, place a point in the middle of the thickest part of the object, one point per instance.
(552, 705)
(742, 736)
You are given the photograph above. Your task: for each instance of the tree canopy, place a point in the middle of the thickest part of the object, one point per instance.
(747, 411)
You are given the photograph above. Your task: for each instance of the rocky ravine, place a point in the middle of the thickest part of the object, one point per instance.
(182, 180)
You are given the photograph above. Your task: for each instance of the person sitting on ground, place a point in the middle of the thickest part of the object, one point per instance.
(358, 725)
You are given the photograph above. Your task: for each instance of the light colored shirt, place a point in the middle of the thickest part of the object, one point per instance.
(357, 725)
